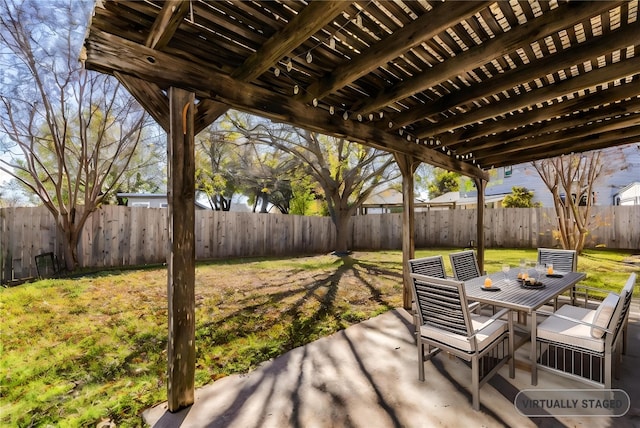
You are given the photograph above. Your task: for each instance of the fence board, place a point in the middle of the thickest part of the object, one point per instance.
(122, 236)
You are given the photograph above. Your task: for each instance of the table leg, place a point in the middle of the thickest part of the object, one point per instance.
(532, 356)
(512, 347)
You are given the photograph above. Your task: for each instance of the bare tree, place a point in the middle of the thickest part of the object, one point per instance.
(347, 172)
(571, 180)
(68, 134)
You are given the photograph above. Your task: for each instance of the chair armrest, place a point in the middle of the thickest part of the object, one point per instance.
(552, 314)
(491, 320)
(473, 306)
(586, 287)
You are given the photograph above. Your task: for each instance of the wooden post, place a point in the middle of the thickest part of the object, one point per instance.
(181, 351)
(480, 185)
(408, 166)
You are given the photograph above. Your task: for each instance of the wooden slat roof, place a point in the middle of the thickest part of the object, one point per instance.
(465, 85)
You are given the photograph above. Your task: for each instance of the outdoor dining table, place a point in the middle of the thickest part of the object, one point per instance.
(509, 293)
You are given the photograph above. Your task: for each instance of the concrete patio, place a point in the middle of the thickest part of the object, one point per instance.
(367, 376)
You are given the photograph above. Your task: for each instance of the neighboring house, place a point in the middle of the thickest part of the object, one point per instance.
(385, 201)
(461, 200)
(629, 195)
(151, 200)
(606, 188)
(610, 189)
(390, 200)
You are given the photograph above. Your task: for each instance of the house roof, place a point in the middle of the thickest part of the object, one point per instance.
(157, 196)
(458, 199)
(143, 195)
(628, 187)
(460, 85)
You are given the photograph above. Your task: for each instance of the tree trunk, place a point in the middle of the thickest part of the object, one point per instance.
(71, 234)
(70, 251)
(341, 222)
(265, 203)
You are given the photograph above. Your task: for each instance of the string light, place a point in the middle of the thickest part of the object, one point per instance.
(331, 40)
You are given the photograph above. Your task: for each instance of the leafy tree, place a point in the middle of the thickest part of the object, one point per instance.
(346, 172)
(267, 178)
(443, 181)
(304, 195)
(217, 167)
(571, 179)
(520, 197)
(69, 135)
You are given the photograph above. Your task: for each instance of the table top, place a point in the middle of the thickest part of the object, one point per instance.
(513, 296)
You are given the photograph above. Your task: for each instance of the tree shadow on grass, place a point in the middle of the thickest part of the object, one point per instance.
(305, 326)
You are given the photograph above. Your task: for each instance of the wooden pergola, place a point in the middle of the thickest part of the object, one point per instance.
(465, 86)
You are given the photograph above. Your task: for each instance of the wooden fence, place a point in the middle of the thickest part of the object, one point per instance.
(124, 236)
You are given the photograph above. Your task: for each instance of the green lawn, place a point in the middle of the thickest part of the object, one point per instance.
(75, 352)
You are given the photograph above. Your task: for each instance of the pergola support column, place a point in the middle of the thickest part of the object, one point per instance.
(181, 258)
(481, 186)
(408, 165)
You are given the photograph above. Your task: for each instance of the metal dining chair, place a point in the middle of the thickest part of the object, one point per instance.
(464, 265)
(563, 261)
(446, 323)
(585, 344)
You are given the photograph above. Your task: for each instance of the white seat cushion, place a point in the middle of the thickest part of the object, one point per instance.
(560, 330)
(602, 317)
(484, 338)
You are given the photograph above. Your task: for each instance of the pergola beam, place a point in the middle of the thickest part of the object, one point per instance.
(166, 23)
(304, 25)
(468, 137)
(612, 138)
(150, 96)
(561, 60)
(109, 51)
(545, 141)
(595, 77)
(408, 37)
(556, 20)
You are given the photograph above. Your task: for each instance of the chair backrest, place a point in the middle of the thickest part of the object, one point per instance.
(441, 304)
(625, 303)
(430, 266)
(563, 260)
(464, 265)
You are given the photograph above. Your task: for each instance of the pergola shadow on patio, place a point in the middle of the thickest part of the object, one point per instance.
(367, 376)
(466, 86)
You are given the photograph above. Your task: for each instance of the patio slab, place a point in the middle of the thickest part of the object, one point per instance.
(367, 376)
